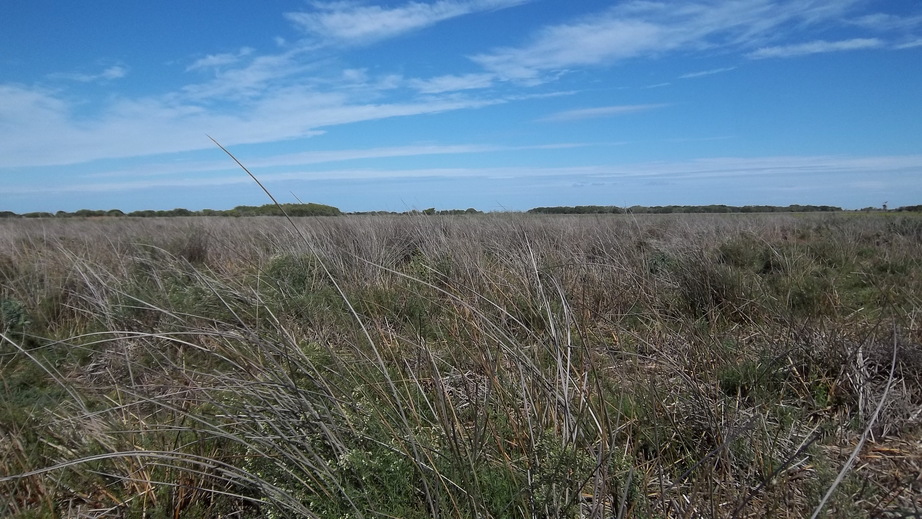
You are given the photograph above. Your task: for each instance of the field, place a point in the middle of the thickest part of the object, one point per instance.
(502, 365)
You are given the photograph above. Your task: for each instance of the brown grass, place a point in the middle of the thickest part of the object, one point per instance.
(491, 366)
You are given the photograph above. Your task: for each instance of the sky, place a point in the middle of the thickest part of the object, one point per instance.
(491, 104)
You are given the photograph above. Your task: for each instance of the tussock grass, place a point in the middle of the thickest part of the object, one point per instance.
(464, 366)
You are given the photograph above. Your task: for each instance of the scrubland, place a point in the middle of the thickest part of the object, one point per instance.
(502, 365)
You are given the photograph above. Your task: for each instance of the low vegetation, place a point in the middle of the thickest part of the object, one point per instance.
(312, 209)
(552, 366)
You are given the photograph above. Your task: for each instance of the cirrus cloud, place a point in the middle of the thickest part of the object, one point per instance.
(220, 60)
(348, 23)
(645, 29)
(107, 74)
(602, 111)
(816, 47)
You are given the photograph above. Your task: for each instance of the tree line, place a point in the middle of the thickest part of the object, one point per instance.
(668, 209)
(312, 209)
(309, 209)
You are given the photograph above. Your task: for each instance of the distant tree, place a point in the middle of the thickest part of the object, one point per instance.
(8, 214)
(292, 210)
(85, 213)
(310, 209)
(579, 209)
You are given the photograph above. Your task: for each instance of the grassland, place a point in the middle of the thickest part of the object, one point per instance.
(462, 366)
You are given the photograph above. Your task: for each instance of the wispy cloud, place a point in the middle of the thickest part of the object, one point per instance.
(220, 60)
(910, 44)
(582, 43)
(703, 73)
(352, 23)
(319, 157)
(816, 47)
(888, 22)
(856, 168)
(107, 74)
(257, 77)
(452, 83)
(176, 122)
(311, 158)
(602, 111)
(649, 28)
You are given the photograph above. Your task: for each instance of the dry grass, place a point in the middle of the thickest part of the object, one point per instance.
(468, 366)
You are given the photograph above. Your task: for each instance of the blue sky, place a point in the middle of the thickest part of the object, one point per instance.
(492, 104)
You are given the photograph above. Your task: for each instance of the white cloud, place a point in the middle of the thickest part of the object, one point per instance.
(318, 157)
(114, 72)
(220, 60)
(254, 79)
(602, 111)
(703, 73)
(351, 23)
(910, 44)
(577, 44)
(25, 116)
(304, 107)
(815, 47)
(355, 75)
(452, 83)
(107, 74)
(888, 22)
